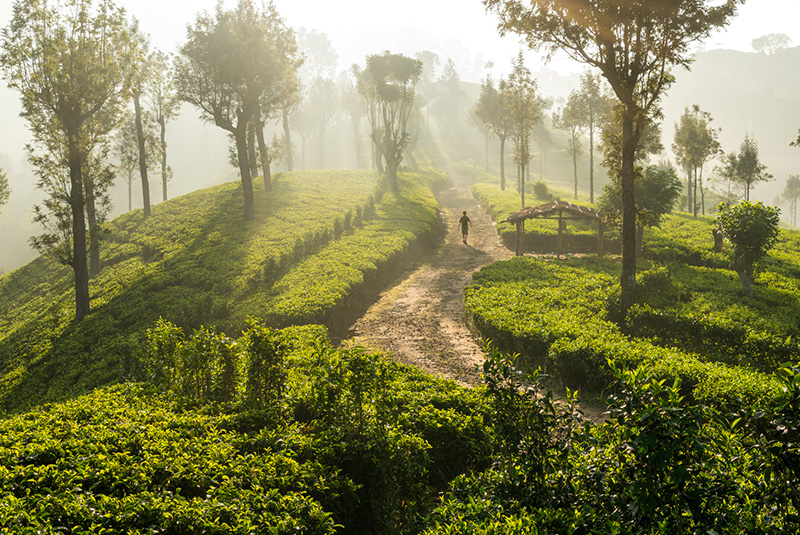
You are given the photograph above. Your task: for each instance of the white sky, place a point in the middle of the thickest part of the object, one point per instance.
(361, 27)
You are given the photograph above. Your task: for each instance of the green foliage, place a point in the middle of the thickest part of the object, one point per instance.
(751, 227)
(194, 263)
(656, 192)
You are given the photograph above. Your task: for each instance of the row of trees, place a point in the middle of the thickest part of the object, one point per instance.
(90, 84)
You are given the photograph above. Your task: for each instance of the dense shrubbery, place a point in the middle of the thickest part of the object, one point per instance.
(195, 263)
(313, 440)
(556, 315)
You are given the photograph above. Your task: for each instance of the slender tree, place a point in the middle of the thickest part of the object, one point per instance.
(749, 169)
(163, 104)
(389, 81)
(482, 113)
(634, 45)
(570, 119)
(524, 109)
(322, 107)
(354, 109)
(790, 195)
(224, 69)
(593, 105)
(695, 143)
(66, 61)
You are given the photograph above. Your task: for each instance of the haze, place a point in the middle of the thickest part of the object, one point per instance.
(453, 29)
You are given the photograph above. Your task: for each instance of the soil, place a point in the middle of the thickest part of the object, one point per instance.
(420, 318)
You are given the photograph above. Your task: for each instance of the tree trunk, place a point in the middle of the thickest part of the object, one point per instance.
(702, 194)
(76, 201)
(91, 218)
(163, 123)
(575, 165)
(486, 151)
(502, 163)
(639, 240)
(628, 277)
(694, 193)
(142, 156)
(591, 160)
(265, 159)
(357, 142)
(240, 135)
(130, 192)
(252, 150)
(288, 139)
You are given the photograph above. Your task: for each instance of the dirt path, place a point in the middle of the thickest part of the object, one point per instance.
(421, 318)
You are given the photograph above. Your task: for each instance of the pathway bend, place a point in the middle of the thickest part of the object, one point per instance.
(420, 318)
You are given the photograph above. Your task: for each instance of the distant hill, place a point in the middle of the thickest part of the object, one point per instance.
(745, 93)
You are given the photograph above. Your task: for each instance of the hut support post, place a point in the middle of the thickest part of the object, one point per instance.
(600, 236)
(520, 237)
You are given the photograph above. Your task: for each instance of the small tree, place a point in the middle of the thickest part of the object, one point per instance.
(388, 87)
(749, 169)
(570, 120)
(5, 189)
(657, 191)
(752, 228)
(790, 194)
(771, 43)
(695, 144)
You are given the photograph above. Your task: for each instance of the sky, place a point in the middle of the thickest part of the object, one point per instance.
(457, 27)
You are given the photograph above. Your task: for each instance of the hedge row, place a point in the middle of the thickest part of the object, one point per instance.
(555, 315)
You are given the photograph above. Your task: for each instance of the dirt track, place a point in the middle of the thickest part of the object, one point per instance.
(420, 319)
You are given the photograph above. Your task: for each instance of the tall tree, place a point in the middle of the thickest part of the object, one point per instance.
(66, 61)
(790, 194)
(163, 104)
(448, 103)
(634, 45)
(138, 70)
(389, 81)
(322, 107)
(524, 110)
(5, 189)
(695, 143)
(354, 109)
(593, 105)
(749, 169)
(570, 119)
(483, 111)
(224, 69)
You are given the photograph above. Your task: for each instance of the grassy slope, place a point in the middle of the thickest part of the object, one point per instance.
(194, 262)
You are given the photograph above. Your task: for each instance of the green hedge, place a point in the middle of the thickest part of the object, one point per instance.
(196, 262)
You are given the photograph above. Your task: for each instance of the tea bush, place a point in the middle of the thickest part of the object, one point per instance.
(195, 262)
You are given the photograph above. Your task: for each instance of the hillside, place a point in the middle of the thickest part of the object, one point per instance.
(195, 262)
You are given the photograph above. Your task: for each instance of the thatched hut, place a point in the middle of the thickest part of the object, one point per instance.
(561, 210)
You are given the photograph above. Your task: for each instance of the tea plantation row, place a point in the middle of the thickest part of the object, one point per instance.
(196, 262)
(691, 320)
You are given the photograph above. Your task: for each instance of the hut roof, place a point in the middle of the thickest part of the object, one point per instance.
(551, 207)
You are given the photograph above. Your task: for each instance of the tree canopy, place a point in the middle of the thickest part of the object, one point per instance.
(67, 61)
(752, 228)
(633, 45)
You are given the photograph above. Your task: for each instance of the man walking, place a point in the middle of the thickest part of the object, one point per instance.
(465, 226)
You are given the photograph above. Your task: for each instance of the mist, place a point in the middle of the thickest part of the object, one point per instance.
(746, 93)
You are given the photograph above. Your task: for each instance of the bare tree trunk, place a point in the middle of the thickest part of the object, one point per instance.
(142, 156)
(694, 194)
(76, 201)
(288, 139)
(164, 178)
(262, 149)
(628, 277)
(91, 218)
(240, 135)
(357, 143)
(503, 163)
(575, 165)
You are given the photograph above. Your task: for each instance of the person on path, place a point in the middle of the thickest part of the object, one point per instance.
(465, 224)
